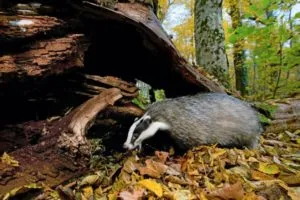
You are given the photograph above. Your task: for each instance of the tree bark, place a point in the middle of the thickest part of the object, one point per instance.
(241, 73)
(209, 36)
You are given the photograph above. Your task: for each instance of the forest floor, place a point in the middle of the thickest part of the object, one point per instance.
(271, 171)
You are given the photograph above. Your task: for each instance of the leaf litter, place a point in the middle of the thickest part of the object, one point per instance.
(206, 172)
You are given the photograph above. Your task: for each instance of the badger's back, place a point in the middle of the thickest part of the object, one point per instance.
(208, 118)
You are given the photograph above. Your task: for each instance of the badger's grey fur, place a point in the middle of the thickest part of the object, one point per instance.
(209, 118)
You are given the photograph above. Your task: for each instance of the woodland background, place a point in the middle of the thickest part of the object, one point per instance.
(261, 38)
(68, 97)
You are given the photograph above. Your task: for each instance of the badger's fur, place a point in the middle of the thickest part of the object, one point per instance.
(209, 118)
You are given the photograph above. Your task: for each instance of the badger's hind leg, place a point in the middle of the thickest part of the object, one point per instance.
(149, 132)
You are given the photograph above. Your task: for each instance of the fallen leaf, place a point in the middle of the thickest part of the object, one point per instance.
(134, 195)
(162, 156)
(259, 176)
(112, 196)
(292, 180)
(5, 158)
(21, 190)
(268, 168)
(275, 183)
(182, 195)
(153, 186)
(87, 192)
(172, 171)
(175, 179)
(130, 166)
(89, 180)
(153, 169)
(229, 192)
(208, 184)
(253, 196)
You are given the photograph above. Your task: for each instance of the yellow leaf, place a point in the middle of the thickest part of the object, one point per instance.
(258, 176)
(9, 160)
(112, 196)
(208, 184)
(202, 196)
(89, 180)
(87, 192)
(153, 186)
(268, 168)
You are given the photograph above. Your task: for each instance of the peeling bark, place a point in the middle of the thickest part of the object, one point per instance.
(43, 58)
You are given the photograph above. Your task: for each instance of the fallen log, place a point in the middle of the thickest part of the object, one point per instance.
(43, 58)
(140, 25)
(286, 116)
(61, 150)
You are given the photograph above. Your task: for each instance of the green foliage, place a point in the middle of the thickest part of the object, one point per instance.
(271, 46)
(269, 37)
(143, 99)
(140, 101)
(263, 119)
(267, 108)
(159, 95)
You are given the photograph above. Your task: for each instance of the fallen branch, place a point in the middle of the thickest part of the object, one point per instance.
(83, 118)
(62, 152)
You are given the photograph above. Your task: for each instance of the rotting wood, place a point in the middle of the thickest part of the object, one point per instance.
(20, 27)
(179, 74)
(60, 152)
(114, 82)
(83, 118)
(286, 116)
(42, 58)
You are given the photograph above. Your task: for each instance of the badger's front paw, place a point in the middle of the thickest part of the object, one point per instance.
(128, 146)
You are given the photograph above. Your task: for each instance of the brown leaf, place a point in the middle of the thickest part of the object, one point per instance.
(291, 180)
(134, 195)
(177, 180)
(130, 166)
(153, 169)
(162, 156)
(229, 192)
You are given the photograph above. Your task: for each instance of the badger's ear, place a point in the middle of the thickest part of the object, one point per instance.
(135, 119)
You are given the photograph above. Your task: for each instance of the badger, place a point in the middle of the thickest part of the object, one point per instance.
(202, 119)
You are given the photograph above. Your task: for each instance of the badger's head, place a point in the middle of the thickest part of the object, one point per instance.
(141, 130)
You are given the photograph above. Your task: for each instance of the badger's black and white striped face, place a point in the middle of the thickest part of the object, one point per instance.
(141, 130)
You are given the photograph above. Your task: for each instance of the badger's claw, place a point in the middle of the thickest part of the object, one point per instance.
(139, 147)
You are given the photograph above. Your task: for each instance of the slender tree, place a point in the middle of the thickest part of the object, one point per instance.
(241, 74)
(209, 39)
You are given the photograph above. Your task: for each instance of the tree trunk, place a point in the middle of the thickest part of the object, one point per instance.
(209, 37)
(241, 74)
